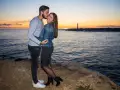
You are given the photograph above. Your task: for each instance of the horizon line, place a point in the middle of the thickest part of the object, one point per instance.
(66, 28)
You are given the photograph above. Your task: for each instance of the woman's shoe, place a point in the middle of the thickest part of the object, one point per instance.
(50, 80)
(58, 79)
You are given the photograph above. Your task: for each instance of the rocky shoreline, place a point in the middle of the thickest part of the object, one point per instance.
(17, 76)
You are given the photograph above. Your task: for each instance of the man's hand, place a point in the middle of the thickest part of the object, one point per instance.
(44, 42)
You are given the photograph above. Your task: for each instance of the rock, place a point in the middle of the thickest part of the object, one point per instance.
(17, 76)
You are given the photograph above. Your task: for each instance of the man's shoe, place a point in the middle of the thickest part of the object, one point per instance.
(38, 85)
(41, 81)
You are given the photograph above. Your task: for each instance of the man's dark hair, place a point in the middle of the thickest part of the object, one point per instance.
(43, 8)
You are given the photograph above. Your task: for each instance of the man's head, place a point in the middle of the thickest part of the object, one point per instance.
(44, 11)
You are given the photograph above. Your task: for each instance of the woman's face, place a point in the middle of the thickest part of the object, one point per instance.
(50, 18)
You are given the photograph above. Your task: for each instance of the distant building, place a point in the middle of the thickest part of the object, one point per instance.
(77, 26)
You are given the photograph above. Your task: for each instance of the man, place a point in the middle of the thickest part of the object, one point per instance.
(35, 28)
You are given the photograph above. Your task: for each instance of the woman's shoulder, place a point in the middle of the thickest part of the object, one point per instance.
(49, 25)
(46, 25)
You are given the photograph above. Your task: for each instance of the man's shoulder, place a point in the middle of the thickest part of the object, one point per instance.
(35, 19)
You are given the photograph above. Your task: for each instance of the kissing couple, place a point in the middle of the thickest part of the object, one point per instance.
(40, 44)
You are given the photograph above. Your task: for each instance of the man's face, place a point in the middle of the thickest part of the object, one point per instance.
(45, 13)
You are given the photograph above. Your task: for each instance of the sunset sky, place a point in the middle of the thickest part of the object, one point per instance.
(88, 13)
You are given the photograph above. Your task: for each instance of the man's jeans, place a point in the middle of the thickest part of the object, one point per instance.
(34, 52)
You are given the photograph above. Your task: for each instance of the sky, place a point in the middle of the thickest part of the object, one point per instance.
(87, 13)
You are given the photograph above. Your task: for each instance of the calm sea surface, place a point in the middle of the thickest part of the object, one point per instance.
(98, 51)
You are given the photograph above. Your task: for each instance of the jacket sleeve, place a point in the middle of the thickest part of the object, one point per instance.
(46, 32)
(41, 37)
(32, 28)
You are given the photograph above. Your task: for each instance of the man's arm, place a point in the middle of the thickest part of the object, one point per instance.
(32, 28)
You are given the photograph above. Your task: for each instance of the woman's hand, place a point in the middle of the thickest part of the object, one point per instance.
(44, 42)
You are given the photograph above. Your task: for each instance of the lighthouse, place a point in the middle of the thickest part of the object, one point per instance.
(77, 26)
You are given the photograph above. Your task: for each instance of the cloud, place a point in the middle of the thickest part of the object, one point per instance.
(5, 25)
(9, 24)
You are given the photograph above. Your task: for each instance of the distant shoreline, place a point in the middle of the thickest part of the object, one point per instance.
(75, 29)
(95, 29)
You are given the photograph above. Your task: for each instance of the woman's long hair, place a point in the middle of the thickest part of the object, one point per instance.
(55, 24)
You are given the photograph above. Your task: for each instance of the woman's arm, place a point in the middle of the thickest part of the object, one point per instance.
(46, 32)
(42, 36)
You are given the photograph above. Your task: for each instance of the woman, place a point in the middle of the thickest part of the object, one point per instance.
(49, 32)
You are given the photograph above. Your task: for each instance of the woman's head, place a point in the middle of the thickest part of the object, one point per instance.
(52, 18)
